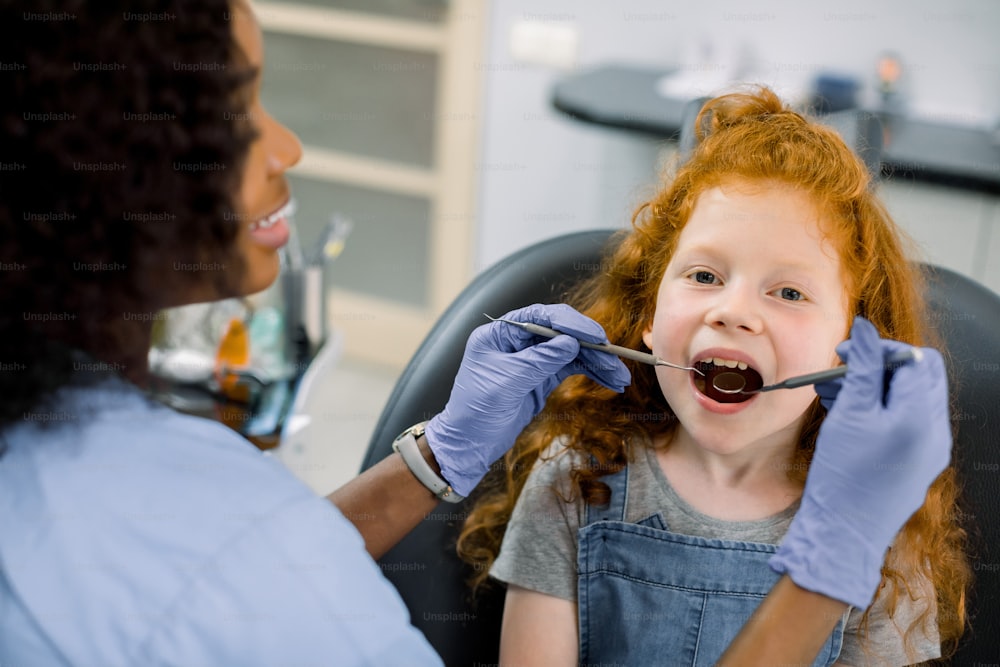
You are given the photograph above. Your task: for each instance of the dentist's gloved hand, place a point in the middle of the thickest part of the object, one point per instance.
(828, 391)
(873, 464)
(503, 382)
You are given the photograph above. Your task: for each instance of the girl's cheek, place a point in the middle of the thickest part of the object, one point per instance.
(677, 312)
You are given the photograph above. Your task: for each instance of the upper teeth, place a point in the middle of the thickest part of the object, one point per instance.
(728, 363)
(285, 211)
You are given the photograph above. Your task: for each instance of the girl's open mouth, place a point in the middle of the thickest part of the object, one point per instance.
(716, 366)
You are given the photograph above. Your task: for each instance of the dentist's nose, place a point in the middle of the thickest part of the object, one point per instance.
(283, 147)
(736, 307)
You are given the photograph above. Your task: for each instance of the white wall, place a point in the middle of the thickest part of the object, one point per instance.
(543, 174)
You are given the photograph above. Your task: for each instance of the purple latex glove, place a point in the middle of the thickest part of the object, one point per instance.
(828, 391)
(505, 377)
(874, 462)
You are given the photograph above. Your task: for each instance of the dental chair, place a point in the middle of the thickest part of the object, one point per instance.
(432, 580)
(424, 567)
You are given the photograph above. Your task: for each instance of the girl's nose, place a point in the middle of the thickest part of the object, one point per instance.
(735, 307)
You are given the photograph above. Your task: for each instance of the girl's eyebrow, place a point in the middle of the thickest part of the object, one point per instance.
(710, 251)
(697, 250)
(802, 267)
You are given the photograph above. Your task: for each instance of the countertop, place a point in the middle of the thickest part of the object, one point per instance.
(625, 97)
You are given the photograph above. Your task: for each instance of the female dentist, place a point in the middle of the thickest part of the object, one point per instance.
(140, 171)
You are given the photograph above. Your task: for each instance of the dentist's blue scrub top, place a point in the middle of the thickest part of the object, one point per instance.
(133, 535)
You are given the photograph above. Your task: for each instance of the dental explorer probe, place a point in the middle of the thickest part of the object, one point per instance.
(634, 355)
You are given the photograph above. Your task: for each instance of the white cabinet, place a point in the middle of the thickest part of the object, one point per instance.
(953, 228)
(384, 96)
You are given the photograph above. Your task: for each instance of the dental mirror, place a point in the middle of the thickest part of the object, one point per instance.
(731, 382)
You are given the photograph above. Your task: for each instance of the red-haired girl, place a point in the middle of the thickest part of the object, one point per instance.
(637, 528)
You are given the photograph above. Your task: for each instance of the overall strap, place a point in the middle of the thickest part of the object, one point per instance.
(615, 509)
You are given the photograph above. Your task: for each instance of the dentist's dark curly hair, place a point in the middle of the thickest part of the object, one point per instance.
(119, 164)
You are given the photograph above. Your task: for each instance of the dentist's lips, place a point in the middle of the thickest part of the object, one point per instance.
(273, 231)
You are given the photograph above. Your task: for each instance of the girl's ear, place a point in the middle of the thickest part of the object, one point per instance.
(647, 336)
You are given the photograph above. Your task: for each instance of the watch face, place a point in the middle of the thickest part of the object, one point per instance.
(417, 430)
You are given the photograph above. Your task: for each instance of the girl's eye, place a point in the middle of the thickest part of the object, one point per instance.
(704, 277)
(791, 294)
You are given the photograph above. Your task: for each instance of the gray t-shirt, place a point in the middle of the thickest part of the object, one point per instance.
(539, 549)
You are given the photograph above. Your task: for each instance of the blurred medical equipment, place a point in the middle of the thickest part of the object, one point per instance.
(243, 361)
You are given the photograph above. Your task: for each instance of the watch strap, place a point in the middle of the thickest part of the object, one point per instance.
(406, 445)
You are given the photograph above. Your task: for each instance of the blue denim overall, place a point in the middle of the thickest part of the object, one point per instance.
(647, 596)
